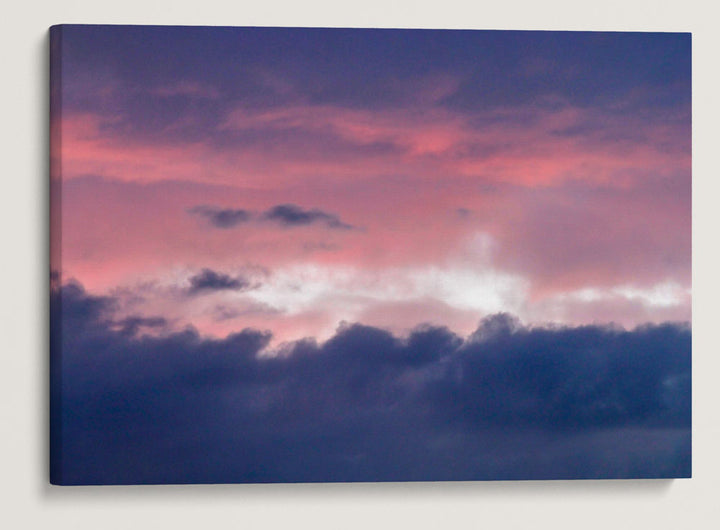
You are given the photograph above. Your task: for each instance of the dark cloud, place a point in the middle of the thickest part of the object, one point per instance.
(132, 325)
(365, 68)
(292, 215)
(208, 280)
(222, 217)
(288, 215)
(508, 402)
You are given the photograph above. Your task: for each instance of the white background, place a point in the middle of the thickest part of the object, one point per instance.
(26, 498)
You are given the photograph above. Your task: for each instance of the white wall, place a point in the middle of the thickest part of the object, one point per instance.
(27, 501)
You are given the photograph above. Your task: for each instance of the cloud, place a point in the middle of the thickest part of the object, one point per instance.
(288, 215)
(222, 217)
(208, 280)
(132, 325)
(187, 89)
(292, 215)
(463, 213)
(508, 402)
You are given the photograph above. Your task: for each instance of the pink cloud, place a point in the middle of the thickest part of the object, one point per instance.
(564, 210)
(293, 144)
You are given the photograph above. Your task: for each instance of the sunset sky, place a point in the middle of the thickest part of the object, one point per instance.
(436, 176)
(291, 187)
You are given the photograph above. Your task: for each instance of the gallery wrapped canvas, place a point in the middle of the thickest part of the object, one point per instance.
(339, 255)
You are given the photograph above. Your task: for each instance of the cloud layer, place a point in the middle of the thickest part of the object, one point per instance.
(507, 402)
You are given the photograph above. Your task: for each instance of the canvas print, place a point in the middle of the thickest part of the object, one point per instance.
(340, 255)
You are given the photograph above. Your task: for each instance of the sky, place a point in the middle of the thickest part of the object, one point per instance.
(342, 240)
